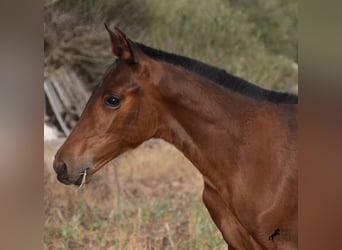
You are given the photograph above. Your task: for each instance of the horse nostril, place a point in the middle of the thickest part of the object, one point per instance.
(60, 168)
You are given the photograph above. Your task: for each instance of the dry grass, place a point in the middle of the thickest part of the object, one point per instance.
(155, 203)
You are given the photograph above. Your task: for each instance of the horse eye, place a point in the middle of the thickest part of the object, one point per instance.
(112, 101)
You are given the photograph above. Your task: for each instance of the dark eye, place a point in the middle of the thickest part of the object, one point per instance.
(113, 101)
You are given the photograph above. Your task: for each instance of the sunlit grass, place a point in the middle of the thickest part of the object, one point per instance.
(147, 225)
(160, 206)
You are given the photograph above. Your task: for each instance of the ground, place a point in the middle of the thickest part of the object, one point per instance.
(153, 202)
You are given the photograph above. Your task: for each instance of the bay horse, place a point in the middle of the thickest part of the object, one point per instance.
(241, 137)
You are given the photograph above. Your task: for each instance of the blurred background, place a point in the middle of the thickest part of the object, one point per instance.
(149, 198)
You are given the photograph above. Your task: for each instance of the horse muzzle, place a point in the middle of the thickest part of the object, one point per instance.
(63, 176)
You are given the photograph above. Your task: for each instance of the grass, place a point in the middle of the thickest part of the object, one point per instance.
(159, 206)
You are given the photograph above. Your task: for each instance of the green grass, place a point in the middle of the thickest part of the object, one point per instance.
(191, 228)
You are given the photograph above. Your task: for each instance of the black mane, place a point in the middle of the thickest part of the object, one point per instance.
(221, 77)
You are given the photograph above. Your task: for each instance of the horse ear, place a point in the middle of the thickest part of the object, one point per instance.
(121, 46)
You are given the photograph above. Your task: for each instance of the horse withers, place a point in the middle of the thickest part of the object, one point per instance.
(242, 138)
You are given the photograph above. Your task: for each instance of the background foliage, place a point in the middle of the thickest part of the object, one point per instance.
(256, 40)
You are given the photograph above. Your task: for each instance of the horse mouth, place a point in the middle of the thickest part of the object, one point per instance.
(89, 171)
(80, 180)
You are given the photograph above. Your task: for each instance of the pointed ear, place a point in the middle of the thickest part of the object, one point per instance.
(121, 46)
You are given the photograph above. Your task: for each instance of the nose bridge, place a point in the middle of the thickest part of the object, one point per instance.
(75, 138)
(77, 148)
(61, 168)
(75, 154)
(67, 151)
(58, 155)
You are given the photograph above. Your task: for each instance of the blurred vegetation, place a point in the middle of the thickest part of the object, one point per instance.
(276, 23)
(256, 40)
(145, 227)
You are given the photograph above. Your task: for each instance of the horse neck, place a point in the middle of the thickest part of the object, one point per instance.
(202, 119)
